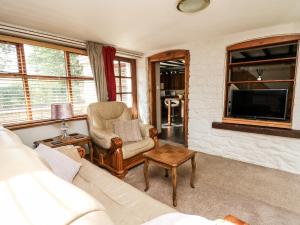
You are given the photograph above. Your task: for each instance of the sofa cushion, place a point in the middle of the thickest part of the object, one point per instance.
(128, 130)
(61, 165)
(124, 204)
(8, 138)
(131, 149)
(31, 194)
(70, 151)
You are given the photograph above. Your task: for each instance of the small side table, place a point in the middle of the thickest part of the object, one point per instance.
(73, 139)
(170, 157)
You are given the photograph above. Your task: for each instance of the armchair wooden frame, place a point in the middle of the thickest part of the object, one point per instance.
(112, 159)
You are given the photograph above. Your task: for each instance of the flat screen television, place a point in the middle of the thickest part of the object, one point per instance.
(259, 104)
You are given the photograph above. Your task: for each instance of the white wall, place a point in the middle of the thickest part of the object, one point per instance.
(29, 135)
(142, 90)
(207, 75)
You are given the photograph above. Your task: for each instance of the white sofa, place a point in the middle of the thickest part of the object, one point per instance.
(31, 194)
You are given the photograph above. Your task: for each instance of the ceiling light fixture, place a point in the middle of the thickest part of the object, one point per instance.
(191, 6)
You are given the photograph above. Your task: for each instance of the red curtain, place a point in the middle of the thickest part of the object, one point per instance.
(109, 54)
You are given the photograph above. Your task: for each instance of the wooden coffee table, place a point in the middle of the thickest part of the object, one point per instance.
(170, 157)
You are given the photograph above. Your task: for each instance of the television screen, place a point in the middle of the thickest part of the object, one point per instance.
(260, 104)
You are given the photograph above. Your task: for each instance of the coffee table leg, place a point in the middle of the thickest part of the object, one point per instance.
(193, 171)
(166, 173)
(146, 165)
(174, 182)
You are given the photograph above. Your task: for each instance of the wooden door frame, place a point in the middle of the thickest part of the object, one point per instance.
(165, 56)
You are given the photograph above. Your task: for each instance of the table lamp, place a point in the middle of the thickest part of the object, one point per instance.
(62, 111)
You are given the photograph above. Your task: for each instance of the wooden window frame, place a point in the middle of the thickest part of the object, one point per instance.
(263, 42)
(22, 74)
(133, 82)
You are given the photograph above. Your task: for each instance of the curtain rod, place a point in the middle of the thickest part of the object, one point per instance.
(23, 32)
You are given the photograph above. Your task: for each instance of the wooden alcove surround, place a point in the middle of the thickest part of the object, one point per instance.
(165, 56)
(247, 125)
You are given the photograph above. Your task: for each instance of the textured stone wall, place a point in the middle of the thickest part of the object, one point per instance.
(142, 90)
(207, 75)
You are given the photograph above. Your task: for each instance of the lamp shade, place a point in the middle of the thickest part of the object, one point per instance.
(61, 111)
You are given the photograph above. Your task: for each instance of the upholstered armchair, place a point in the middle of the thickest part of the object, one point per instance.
(110, 151)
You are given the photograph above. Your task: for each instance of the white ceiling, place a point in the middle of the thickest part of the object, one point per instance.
(145, 25)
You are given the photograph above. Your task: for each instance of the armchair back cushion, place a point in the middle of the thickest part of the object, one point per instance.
(128, 130)
(102, 116)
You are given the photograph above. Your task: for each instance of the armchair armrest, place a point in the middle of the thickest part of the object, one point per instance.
(103, 138)
(154, 135)
(116, 143)
(116, 150)
(145, 129)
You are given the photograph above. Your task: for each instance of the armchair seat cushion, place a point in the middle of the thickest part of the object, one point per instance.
(131, 149)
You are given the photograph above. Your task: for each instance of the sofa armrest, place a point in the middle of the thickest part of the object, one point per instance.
(230, 220)
(145, 129)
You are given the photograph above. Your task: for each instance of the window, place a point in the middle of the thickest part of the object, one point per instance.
(260, 84)
(125, 80)
(33, 77)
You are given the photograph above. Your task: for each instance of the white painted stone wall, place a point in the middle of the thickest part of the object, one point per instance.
(207, 75)
(142, 90)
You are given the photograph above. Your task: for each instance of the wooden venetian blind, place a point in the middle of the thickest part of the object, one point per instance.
(33, 77)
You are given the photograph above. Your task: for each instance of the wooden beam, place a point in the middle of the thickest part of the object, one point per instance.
(245, 54)
(266, 52)
(264, 42)
(291, 49)
(264, 61)
(172, 63)
(172, 68)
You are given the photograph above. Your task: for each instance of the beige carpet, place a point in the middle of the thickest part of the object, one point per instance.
(258, 195)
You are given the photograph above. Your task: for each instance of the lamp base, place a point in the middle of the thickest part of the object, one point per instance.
(64, 130)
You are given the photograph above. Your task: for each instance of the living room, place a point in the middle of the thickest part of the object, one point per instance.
(64, 69)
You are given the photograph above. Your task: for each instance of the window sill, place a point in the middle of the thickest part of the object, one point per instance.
(25, 125)
(281, 132)
(261, 123)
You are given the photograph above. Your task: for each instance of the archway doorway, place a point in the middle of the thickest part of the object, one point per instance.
(163, 95)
